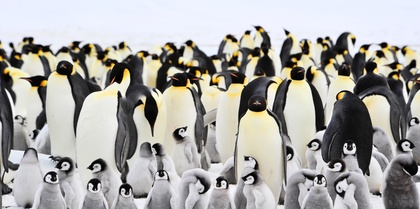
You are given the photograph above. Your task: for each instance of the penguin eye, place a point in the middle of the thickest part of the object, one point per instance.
(345, 146)
(338, 189)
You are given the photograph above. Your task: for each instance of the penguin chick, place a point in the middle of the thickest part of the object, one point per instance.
(318, 196)
(185, 153)
(48, 194)
(28, 179)
(334, 168)
(162, 194)
(313, 155)
(381, 158)
(125, 199)
(193, 189)
(293, 161)
(399, 190)
(165, 162)
(413, 134)
(257, 193)
(349, 156)
(94, 198)
(297, 187)
(352, 188)
(404, 146)
(220, 198)
(70, 183)
(109, 180)
(345, 195)
(142, 172)
(250, 165)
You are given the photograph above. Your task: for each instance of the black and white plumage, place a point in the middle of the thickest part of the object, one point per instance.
(70, 183)
(313, 155)
(405, 146)
(185, 152)
(220, 198)
(318, 196)
(297, 188)
(250, 165)
(413, 134)
(162, 194)
(257, 193)
(353, 189)
(94, 198)
(48, 194)
(334, 168)
(349, 156)
(125, 199)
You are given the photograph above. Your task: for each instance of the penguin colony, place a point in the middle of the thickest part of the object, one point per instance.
(311, 126)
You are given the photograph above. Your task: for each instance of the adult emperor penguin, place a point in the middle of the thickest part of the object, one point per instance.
(350, 120)
(320, 80)
(413, 134)
(317, 196)
(257, 193)
(261, 37)
(227, 116)
(370, 79)
(399, 190)
(94, 198)
(36, 102)
(290, 46)
(297, 188)
(246, 40)
(67, 91)
(220, 197)
(70, 183)
(28, 179)
(334, 168)
(354, 186)
(109, 179)
(188, 111)
(105, 109)
(256, 124)
(125, 198)
(298, 102)
(33, 62)
(48, 194)
(142, 172)
(193, 189)
(345, 41)
(185, 153)
(162, 194)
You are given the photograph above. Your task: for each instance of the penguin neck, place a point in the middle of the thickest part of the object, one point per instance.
(53, 188)
(235, 89)
(95, 196)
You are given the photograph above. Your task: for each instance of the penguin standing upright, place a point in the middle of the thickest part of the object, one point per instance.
(35, 63)
(220, 198)
(413, 134)
(162, 194)
(48, 194)
(350, 120)
(317, 196)
(353, 184)
(185, 153)
(246, 40)
(258, 123)
(290, 46)
(298, 102)
(334, 168)
(70, 183)
(320, 80)
(125, 199)
(370, 79)
(36, 117)
(257, 193)
(261, 37)
(165, 162)
(94, 198)
(67, 92)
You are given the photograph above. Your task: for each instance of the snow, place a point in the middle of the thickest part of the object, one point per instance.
(143, 24)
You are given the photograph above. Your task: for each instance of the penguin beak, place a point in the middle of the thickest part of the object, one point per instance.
(173, 78)
(112, 81)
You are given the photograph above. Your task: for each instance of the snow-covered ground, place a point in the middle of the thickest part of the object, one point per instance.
(143, 24)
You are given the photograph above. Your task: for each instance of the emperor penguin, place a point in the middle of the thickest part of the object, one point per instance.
(67, 91)
(33, 62)
(352, 185)
(345, 41)
(334, 168)
(294, 163)
(193, 190)
(349, 155)
(150, 74)
(185, 153)
(220, 197)
(382, 142)
(28, 179)
(399, 190)
(251, 165)
(187, 110)
(125, 199)
(317, 196)
(298, 187)
(257, 193)
(261, 37)
(94, 198)
(165, 162)
(246, 40)
(412, 109)
(70, 183)
(162, 194)
(227, 116)
(313, 155)
(260, 123)
(299, 103)
(48, 194)
(105, 109)
(370, 79)
(36, 102)
(413, 134)
(142, 172)
(350, 120)
(110, 181)
(290, 46)
(320, 80)
(20, 87)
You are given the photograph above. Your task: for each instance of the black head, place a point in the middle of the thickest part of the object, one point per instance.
(237, 77)
(320, 181)
(126, 190)
(314, 144)
(257, 103)
(251, 178)
(380, 54)
(405, 146)
(66, 164)
(37, 81)
(117, 72)
(221, 183)
(414, 121)
(349, 148)
(51, 178)
(319, 40)
(159, 149)
(341, 184)
(290, 152)
(370, 66)
(337, 165)
(384, 45)
(122, 45)
(98, 165)
(247, 32)
(189, 43)
(110, 62)
(258, 28)
(180, 133)
(162, 175)
(179, 79)
(94, 185)
(344, 70)
(65, 68)
(146, 149)
(297, 73)
(250, 161)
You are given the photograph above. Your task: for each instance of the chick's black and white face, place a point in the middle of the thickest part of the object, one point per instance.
(349, 148)
(249, 180)
(126, 192)
(250, 161)
(51, 178)
(200, 187)
(65, 166)
(406, 146)
(337, 166)
(182, 132)
(94, 188)
(314, 146)
(320, 181)
(341, 187)
(161, 175)
(221, 184)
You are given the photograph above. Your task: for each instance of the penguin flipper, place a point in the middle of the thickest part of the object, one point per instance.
(193, 196)
(209, 117)
(188, 152)
(80, 91)
(319, 109)
(199, 131)
(280, 102)
(329, 147)
(122, 141)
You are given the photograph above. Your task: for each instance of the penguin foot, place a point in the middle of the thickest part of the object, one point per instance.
(55, 158)
(13, 166)
(5, 189)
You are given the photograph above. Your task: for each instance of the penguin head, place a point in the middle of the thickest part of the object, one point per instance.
(37, 81)
(247, 32)
(384, 45)
(51, 178)
(290, 152)
(126, 190)
(34, 133)
(161, 175)
(97, 165)
(179, 79)
(94, 186)
(146, 149)
(349, 148)
(30, 156)
(251, 162)
(221, 183)
(342, 94)
(21, 120)
(190, 43)
(65, 68)
(344, 70)
(180, 133)
(297, 73)
(314, 144)
(320, 181)
(414, 121)
(120, 72)
(259, 28)
(336, 165)
(257, 103)
(251, 178)
(405, 145)
(364, 48)
(237, 77)
(341, 185)
(371, 67)
(158, 149)
(66, 164)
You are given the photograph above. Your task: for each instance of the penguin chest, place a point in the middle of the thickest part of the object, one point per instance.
(34, 107)
(33, 65)
(415, 105)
